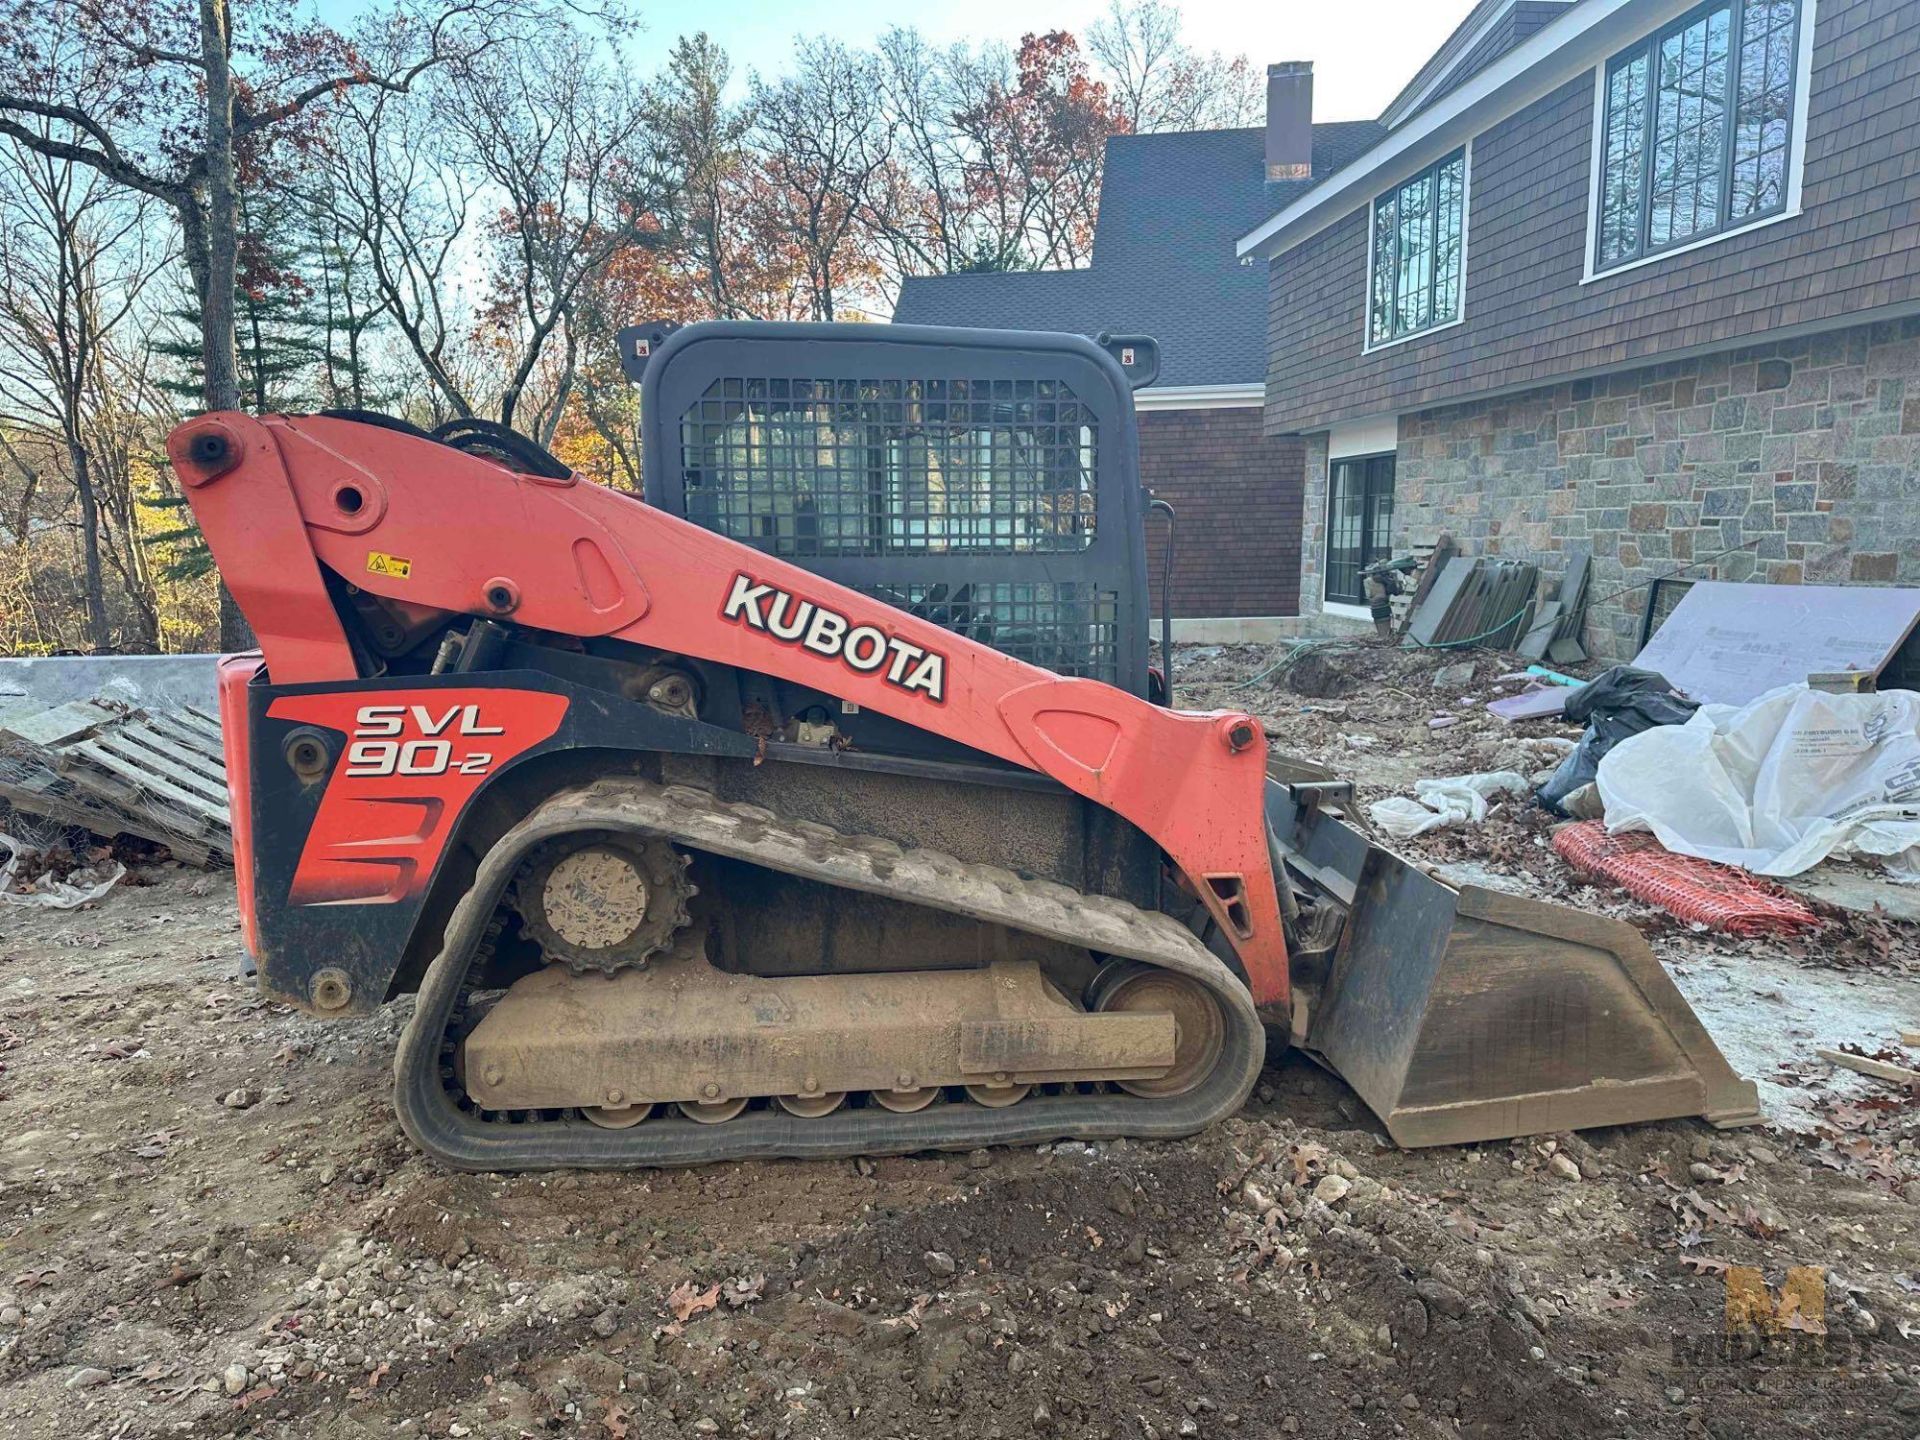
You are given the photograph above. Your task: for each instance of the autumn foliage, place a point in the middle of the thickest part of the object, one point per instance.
(447, 208)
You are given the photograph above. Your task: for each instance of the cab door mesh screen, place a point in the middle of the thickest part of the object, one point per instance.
(881, 467)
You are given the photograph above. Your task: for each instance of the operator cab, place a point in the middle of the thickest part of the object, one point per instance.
(985, 480)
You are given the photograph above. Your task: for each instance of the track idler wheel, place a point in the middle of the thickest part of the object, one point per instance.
(1200, 1029)
(606, 903)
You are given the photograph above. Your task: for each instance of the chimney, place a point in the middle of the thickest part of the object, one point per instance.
(1290, 120)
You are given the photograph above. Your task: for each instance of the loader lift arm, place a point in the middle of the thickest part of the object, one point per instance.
(280, 498)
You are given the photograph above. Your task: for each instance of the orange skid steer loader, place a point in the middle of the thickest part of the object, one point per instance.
(821, 804)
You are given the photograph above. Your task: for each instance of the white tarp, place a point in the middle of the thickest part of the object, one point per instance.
(82, 887)
(1438, 804)
(1779, 784)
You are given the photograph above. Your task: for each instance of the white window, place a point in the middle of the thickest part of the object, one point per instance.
(1699, 127)
(1417, 253)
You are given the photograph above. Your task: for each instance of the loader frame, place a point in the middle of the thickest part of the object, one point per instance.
(295, 507)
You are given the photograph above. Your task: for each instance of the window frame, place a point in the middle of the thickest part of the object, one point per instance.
(1364, 463)
(1464, 153)
(1647, 48)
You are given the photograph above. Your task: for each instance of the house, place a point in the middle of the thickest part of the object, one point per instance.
(1172, 207)
(1637, 279)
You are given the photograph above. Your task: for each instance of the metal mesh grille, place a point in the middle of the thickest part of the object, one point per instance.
(891, 466)
(1069, 628)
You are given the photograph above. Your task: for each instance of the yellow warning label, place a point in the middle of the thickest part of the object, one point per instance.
(391, 566)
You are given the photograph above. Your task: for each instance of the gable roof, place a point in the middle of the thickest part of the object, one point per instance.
(1571, 41)
(1171, 207)
(1489, 30)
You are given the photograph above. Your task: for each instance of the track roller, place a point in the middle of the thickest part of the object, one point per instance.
(616, 1117)
(712, 1112)
(906, 1102)
(998, 1097)
(812, 1107)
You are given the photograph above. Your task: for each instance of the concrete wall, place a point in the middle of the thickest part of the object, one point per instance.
(1805, 453)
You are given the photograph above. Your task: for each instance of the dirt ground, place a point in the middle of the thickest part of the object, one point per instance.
(210, 1224)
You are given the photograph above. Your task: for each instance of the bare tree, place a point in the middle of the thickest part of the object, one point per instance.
(824, 137)
(349, 308)
(388, 181)
(559, 131)
(934, 208)
(74, 259)
(1158, 82)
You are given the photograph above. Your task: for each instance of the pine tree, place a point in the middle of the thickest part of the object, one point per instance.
(281, 340)
(279, 329)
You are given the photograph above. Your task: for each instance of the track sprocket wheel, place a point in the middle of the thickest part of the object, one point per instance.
(604, 903)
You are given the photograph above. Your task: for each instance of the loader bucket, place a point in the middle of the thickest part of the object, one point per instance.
(1464, 1014)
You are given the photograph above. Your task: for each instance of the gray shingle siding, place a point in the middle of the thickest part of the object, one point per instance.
(1855, 251)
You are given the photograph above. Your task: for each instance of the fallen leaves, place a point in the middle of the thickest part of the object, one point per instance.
(154, 1146)
(1309, 1159)
(180, 1275)
(1860, 1137)
(687, 1300)
(255, 1396)
(33, 1279)
(1706, 1264)
(379, 1373)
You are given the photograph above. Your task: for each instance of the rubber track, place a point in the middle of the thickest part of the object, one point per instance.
(435, 1119)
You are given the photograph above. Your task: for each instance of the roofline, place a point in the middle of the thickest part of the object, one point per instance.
(995, 275)
(1586, 35)
(1465, 38)
(1201, 397)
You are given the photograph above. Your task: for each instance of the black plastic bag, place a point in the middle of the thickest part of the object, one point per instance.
(1616, 703)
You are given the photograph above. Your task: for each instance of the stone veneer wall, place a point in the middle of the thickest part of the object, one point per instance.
(1804, 453)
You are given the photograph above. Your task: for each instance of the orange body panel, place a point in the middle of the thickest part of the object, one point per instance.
(278, 498)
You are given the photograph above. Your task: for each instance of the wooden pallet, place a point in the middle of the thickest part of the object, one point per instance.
(156, 774)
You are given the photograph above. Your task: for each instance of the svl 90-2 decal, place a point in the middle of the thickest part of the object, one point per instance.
(380, 744)
(409, 762)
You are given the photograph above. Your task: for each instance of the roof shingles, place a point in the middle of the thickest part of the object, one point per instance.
(1171, 208)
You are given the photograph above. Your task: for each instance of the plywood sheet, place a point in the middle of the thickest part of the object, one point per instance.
(1728, 643)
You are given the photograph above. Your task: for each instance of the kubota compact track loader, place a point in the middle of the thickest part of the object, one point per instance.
(818, 805)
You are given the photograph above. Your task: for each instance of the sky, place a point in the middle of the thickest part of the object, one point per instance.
(1363, 50)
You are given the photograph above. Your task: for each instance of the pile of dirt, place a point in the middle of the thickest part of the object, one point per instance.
(213, 1227)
